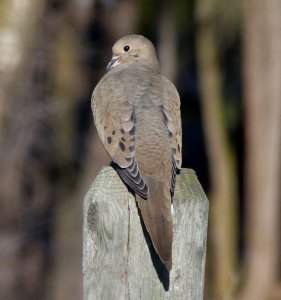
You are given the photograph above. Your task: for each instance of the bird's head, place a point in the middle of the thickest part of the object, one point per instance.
(133, 48)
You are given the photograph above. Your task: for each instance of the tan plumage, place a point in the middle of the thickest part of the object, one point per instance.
(137, 116)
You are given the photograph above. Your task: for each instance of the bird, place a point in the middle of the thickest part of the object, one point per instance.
(137, 116)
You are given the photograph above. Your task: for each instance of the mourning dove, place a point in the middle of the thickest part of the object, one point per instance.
(137, 116)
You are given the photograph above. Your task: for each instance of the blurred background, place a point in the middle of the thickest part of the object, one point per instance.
(225, 59)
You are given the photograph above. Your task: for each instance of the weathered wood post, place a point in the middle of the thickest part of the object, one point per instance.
(118, 259)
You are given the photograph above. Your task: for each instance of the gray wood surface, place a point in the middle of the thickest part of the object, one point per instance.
(119, 261)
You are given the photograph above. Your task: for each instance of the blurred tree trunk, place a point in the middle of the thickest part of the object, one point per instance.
(122, 19)
(38, 164)
(262, 86)
(222, 163)
(24, 243)
(168, 40)
(15, 41)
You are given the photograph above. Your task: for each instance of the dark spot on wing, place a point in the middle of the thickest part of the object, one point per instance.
(132, 131)
(132, 148)
(122, 146)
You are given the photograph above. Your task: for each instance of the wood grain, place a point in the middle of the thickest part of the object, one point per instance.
(119, 261)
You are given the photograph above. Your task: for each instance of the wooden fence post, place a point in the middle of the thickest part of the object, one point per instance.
(119, 261)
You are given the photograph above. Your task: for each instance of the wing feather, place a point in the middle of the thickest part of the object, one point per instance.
(171, 110)
(172, 117)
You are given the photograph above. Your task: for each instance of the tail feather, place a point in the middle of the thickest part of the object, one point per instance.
(156, 214)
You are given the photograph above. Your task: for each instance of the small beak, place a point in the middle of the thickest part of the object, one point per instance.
(113, 63)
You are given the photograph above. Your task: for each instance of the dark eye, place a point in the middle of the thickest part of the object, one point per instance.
(126, 48)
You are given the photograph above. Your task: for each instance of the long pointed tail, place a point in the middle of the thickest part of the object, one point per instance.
(156, 214)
